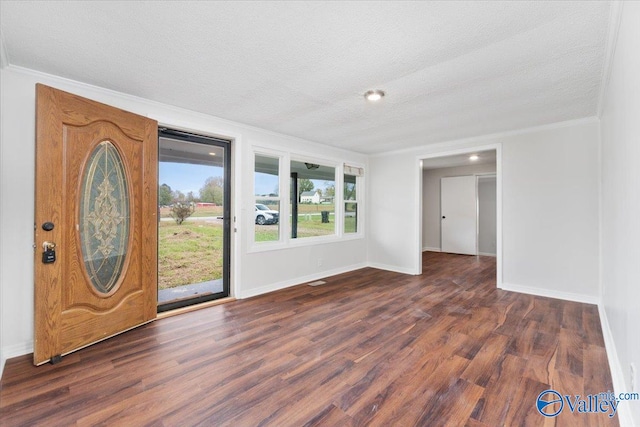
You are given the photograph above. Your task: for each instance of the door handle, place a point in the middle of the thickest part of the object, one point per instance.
(49, 253)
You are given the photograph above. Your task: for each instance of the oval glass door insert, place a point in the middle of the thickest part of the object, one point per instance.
(104, 217)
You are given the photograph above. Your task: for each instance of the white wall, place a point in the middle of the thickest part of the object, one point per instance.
(487, 216)
(391, 230)
(549, 208)
(3, 65)
(431, 199)
(620, 126)
(253, 272)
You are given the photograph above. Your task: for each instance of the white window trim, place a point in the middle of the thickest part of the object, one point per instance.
(360, 179)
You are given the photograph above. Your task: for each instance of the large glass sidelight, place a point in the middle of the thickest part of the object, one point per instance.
(194, 219)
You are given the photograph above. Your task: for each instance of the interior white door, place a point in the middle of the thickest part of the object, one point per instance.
(458, 215)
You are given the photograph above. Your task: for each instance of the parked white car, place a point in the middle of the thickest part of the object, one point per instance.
(264, 215)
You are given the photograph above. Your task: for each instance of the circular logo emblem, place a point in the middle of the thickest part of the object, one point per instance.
(549, 403)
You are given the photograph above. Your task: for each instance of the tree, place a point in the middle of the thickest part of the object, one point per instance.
(212, 191)
(350, 188)
(191, 197)
(164, 195)
(181, 211)
(178, 196)
(304, 184)
(329, 190)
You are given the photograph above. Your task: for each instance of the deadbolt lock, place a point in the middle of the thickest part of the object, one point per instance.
(49, 253)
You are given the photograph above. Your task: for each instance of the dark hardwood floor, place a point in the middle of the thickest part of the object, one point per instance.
(368, 348)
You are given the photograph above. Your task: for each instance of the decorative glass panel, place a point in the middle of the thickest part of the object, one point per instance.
(104, 217)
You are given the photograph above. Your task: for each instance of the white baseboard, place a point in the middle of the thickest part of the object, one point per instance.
(617, 373)
(430, 249)
(297, 281)
(15, 350)
(393, 268)
(569, 296)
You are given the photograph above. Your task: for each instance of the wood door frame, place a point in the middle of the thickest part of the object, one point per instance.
(419, 197)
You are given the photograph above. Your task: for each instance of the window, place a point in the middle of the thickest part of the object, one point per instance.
(351, 198)
(267, 198)
(312, 195)
(350, 205)
(325, 200)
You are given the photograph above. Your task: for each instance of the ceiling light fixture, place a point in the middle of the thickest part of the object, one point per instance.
(474, 157)
(312, 166)
(212, 154)
(374, 95)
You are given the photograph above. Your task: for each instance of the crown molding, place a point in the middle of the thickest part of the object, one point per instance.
(483, 138)
(196, 114)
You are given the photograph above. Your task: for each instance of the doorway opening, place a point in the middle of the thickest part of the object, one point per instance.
(194, 211)
(460, 209)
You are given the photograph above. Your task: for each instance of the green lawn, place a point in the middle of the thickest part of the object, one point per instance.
(350, 224)
(188, 253)
(207, 211)
(192, 252)
(308, 226)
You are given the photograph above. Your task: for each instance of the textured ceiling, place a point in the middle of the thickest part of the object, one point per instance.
(450, 69)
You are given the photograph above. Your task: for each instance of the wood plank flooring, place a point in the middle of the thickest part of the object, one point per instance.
(368, 348)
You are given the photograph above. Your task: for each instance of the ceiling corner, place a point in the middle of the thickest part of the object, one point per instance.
(615, 14)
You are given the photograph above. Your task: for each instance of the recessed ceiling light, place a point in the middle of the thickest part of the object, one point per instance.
(212, 154)
(474, 157)
(373, 95)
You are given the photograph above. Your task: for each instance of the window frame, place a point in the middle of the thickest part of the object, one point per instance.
(285, 241)
(357, 201)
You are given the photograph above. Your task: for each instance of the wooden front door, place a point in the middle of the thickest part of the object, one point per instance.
(96, 201)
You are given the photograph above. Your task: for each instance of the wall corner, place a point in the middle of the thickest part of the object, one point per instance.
(615, 14)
